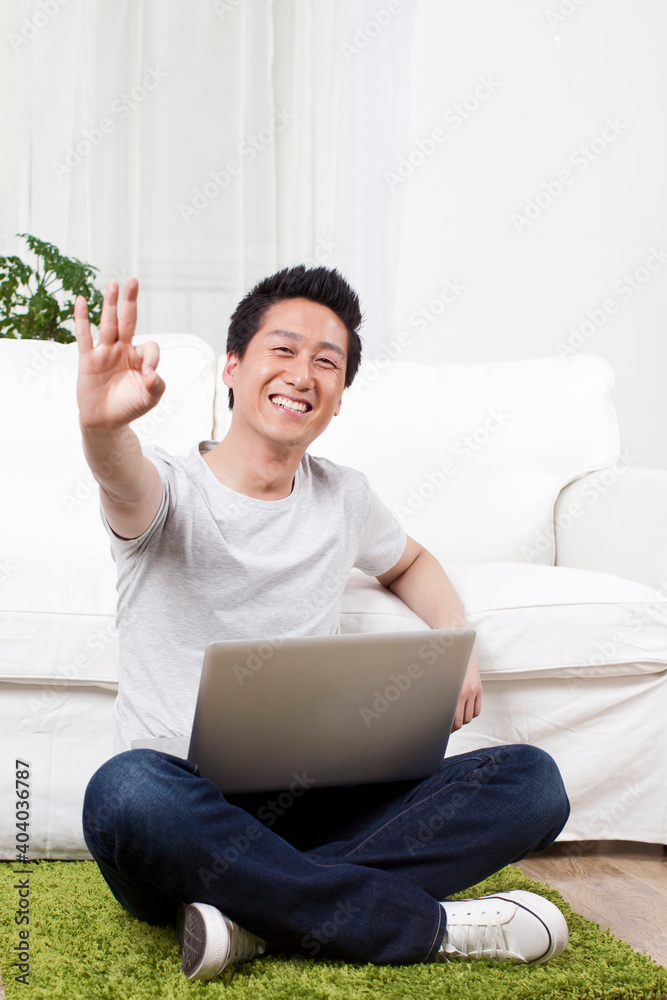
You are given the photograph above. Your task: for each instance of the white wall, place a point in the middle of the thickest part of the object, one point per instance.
(557, 73)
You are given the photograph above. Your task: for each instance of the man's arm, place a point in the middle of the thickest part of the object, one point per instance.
(117, 383)
(421, 583)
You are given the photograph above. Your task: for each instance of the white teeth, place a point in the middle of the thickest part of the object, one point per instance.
(289, 404)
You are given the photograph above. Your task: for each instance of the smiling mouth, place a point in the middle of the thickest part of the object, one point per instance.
(285, 403)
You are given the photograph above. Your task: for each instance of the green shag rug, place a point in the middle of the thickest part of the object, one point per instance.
(84, 946)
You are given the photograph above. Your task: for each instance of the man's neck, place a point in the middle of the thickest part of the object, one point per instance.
(253, 467)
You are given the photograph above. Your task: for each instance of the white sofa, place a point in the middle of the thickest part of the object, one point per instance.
(510, 473)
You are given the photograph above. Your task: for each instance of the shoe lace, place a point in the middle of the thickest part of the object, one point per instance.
(481, 936)
(242, 944)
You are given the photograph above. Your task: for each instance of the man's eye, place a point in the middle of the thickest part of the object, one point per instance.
(330, 360)
(282, 349)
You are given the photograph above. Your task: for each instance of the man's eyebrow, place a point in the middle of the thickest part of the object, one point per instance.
(297, 336)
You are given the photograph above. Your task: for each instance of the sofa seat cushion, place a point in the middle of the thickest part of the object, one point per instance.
(58, 622)
(535, 621)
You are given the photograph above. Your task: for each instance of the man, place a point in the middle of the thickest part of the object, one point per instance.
(234, 541)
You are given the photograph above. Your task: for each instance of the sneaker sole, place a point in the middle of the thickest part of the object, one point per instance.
(204, 939)
(547, 913)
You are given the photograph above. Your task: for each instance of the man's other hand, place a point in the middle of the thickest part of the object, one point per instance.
(470, 701)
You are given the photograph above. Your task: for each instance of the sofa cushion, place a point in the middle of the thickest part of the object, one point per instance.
(471, 458)
(52, 506)
(535, 621)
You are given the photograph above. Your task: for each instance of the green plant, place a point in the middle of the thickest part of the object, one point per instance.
(34, 304)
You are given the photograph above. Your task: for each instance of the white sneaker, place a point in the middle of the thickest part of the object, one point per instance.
(513, 926)
(210, 941)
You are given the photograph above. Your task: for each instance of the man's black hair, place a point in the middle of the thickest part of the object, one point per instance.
(324, 285)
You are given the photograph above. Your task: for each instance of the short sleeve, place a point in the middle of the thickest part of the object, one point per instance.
(383, 539)
(133, 546)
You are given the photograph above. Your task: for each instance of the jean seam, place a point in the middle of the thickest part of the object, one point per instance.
(318, 864)
(435, 936)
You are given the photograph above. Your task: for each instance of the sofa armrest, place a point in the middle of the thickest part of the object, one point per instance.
(615, 521)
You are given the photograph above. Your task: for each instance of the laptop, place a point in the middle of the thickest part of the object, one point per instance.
(327, 710)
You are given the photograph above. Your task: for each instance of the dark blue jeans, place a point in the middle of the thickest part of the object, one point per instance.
(354, 872)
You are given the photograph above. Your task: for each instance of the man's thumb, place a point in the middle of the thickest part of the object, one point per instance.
(154, 384)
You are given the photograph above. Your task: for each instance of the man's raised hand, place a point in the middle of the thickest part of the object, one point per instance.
(117, 381)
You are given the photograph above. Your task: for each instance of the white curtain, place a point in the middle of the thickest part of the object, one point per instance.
(202, 144)
(343, 68)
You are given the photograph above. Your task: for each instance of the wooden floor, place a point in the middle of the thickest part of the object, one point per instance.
(620, 885)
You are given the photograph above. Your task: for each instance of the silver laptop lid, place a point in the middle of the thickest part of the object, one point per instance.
(329, 710)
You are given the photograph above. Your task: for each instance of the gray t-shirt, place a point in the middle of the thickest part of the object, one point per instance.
(216, 564)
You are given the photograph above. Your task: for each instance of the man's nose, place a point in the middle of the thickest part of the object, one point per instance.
(299, 373)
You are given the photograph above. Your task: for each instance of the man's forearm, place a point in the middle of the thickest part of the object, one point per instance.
(428, 591)
(116, 460)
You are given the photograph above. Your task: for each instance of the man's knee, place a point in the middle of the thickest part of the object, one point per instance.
(114, 787)
(544, 780)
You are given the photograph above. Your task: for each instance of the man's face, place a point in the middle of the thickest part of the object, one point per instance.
(291, 379)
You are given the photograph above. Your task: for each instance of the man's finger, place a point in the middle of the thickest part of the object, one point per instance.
(81, 325)
(127, 319)
(109, 320)
(149, 354)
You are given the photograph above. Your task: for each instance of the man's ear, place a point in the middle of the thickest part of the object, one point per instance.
(228, 371)
(338, 406)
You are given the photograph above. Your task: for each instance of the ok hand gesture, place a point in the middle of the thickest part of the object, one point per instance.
(117, 381)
